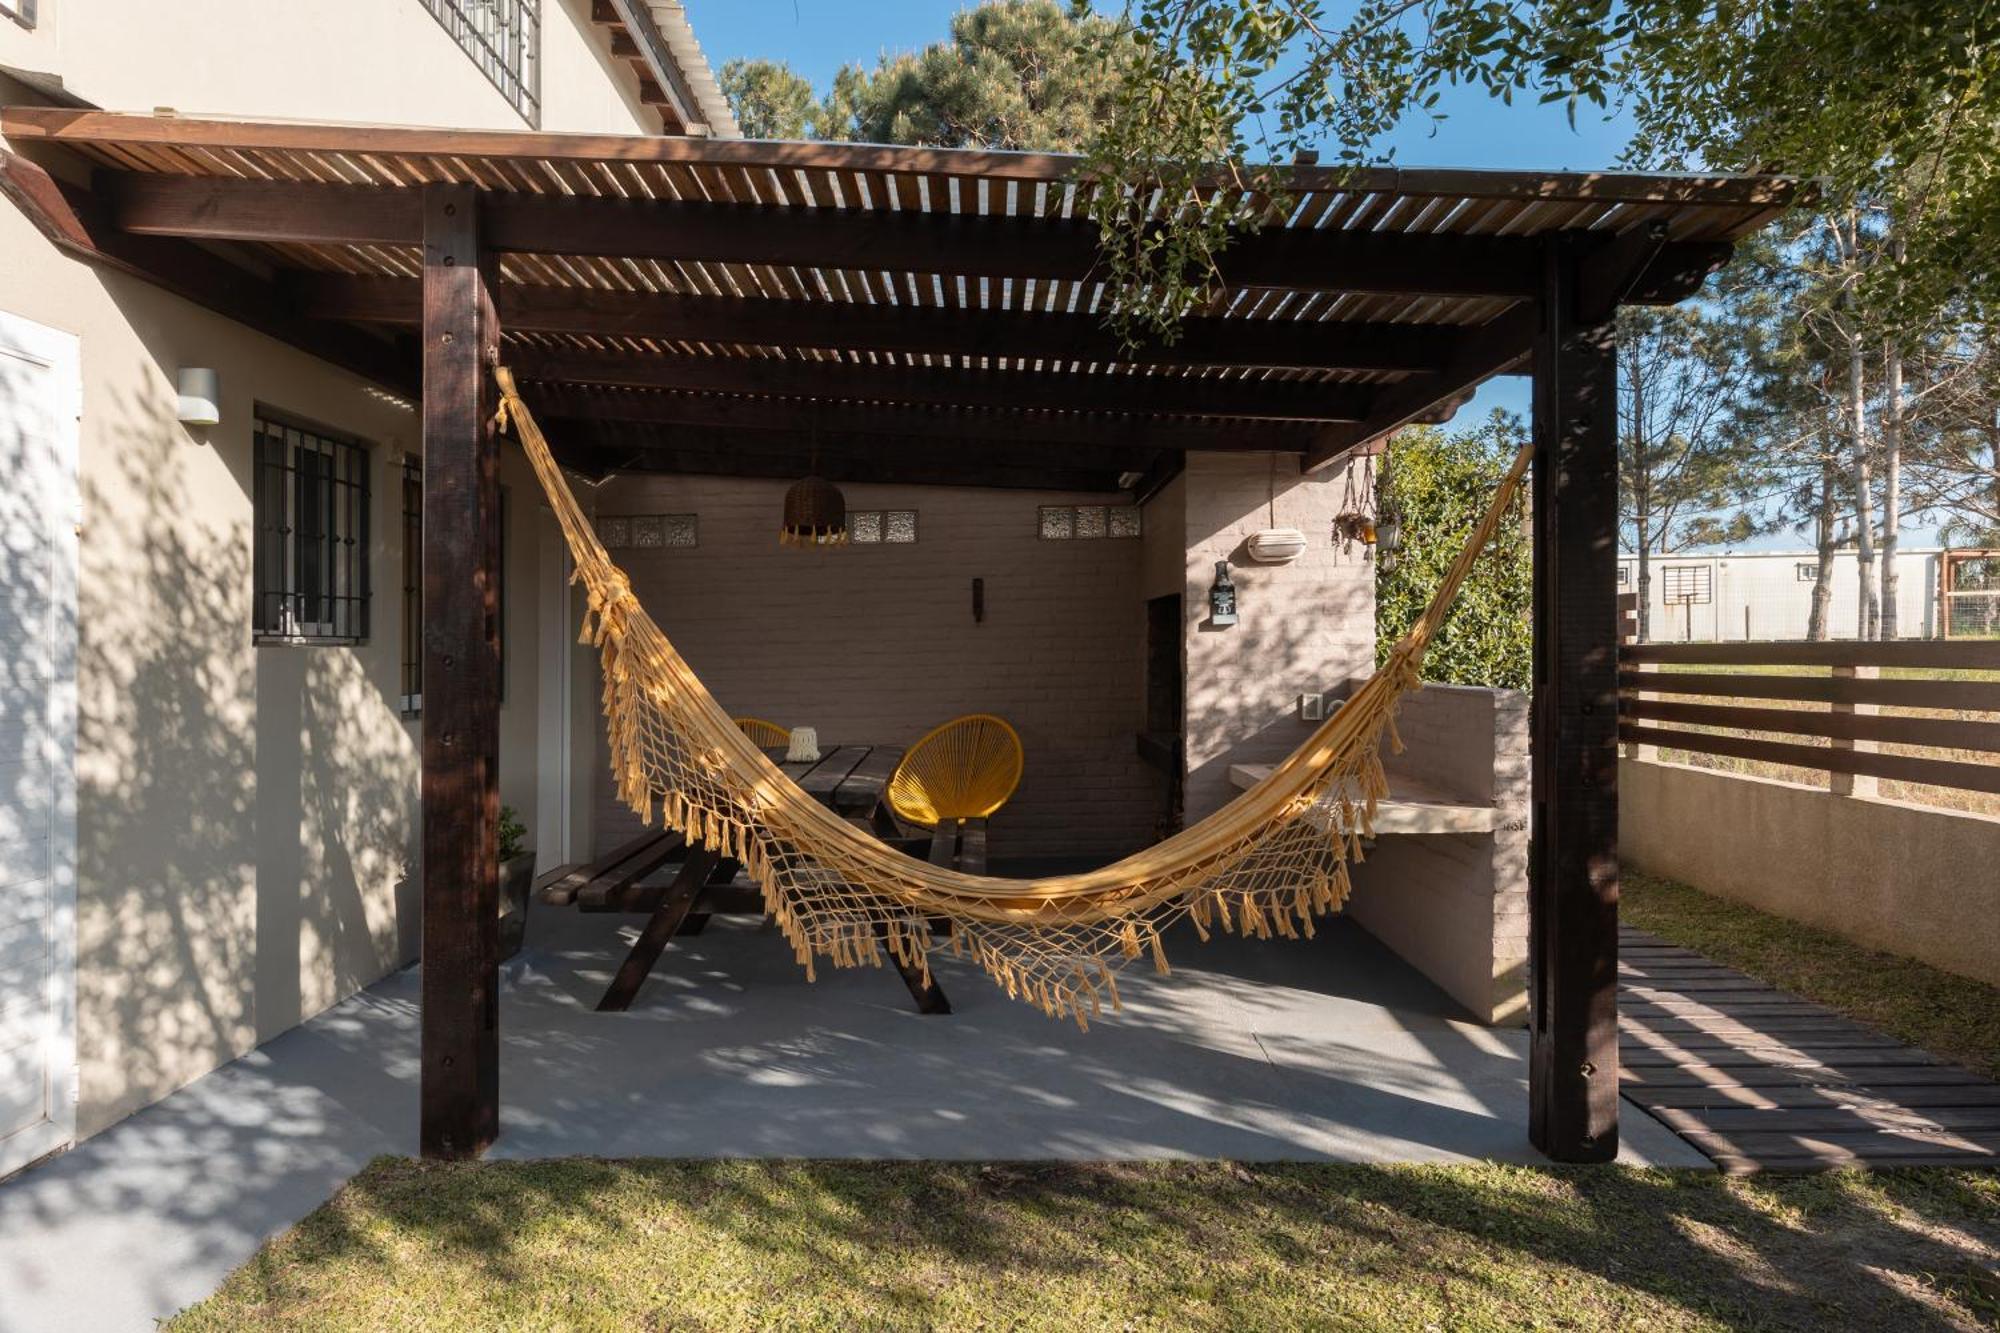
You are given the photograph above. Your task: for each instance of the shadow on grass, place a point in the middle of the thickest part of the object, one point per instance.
(728, 1244)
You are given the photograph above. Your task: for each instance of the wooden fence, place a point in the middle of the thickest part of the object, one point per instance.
(1827, 696)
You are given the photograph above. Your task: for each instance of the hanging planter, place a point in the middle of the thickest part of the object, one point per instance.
(1355, 524)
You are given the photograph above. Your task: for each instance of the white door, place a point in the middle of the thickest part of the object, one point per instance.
(39, 399)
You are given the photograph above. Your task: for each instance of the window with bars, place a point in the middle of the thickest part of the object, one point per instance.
(413, 589)
(310, 508)
(504, 38)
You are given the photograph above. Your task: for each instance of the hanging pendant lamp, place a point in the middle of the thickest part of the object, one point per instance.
(815, 510)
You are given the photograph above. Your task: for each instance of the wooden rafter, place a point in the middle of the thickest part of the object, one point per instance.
(1284, 400)
(533, 308)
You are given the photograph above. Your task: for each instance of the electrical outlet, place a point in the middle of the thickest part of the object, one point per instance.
(1312, 707)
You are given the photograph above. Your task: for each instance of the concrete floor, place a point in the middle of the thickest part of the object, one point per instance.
(1328, 1049)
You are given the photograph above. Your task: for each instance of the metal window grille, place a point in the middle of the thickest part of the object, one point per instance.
(1807, 573)
(311, 541)
(413, 587)
(1686, 583)
(504, 38)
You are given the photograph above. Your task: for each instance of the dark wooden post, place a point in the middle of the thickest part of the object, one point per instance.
(461, 686)
(1573, 857)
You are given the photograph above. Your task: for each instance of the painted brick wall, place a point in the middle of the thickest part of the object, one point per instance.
(1304, 626)
(878, 643)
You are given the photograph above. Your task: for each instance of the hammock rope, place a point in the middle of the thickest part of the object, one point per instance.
(1266, 864)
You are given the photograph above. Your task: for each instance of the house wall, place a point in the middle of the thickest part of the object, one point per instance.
(374, 61)
(246, 814)
(1304, 626)
(1763, 593)
(877, 643)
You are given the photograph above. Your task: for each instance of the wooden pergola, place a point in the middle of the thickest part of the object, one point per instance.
(919, 315)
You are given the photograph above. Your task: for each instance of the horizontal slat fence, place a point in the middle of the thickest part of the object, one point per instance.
(1728, 686)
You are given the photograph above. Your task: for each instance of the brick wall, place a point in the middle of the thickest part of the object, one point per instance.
(876, 643)
(1304, 626)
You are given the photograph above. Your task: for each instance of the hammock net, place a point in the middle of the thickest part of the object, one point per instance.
(1267, 864)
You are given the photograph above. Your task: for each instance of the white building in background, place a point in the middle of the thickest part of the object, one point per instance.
(1768, 594)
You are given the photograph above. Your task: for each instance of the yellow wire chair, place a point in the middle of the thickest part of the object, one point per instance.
(964, 769)
(764, 735)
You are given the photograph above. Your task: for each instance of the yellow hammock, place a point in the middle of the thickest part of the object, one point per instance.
(1267, 863)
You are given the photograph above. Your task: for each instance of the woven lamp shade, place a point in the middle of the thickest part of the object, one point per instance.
(815, 514)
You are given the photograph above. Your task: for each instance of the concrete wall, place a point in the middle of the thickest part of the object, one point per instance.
(1456, 906)
(876, 643)
(1305, 626)
(1910, 879)
(246, 814)
(375, 61)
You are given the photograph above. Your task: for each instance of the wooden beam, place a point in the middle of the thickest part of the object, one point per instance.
(598, 451)
(1140, 394)
(1573, 849)
(461, 658)
(995, 245)
(528, 308)
(1741, 194)
(800, 440)
(75, 222)
(1493, 349)
(700, 410)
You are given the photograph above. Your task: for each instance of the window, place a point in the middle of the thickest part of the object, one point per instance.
(1808, 573)
(311, 544)
(1686, 583)
(1624, 575)
(504, 38)
(413, 589)
(1067, 522)
(21, 11)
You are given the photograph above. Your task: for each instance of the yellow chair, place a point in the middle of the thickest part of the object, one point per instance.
(965, 769)
(764, 735)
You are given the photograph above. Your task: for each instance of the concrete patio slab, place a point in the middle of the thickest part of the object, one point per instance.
(1329, 1049)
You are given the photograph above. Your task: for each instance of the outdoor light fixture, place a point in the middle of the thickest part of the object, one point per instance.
(1222, 597)
(200, 392)
(815, 510)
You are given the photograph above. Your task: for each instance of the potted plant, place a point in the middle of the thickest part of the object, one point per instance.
(517, 876)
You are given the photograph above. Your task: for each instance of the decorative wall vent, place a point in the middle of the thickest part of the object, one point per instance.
(647, 531)
(1086, 522)
(877, 527)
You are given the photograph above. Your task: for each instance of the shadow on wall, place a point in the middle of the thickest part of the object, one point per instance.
(244, 813)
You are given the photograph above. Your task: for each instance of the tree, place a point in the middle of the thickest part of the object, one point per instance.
(1681, 456)
(769, 99)
(1013, 74)
(1441, 484)
(1859, 95)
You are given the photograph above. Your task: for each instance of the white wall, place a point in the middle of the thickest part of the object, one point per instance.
(1768, 585)
(377, 61)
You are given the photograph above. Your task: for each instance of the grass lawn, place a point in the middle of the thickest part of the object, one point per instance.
(1950, 1016)
(742, 1245)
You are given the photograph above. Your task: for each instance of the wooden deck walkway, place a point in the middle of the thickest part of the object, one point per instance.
(1764, 1081)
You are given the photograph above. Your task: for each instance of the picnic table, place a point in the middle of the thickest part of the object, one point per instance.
(849, 779)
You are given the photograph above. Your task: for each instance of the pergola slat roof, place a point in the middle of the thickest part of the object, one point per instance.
(675, 282)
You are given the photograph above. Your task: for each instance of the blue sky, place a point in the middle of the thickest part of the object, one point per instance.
(817, 37)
